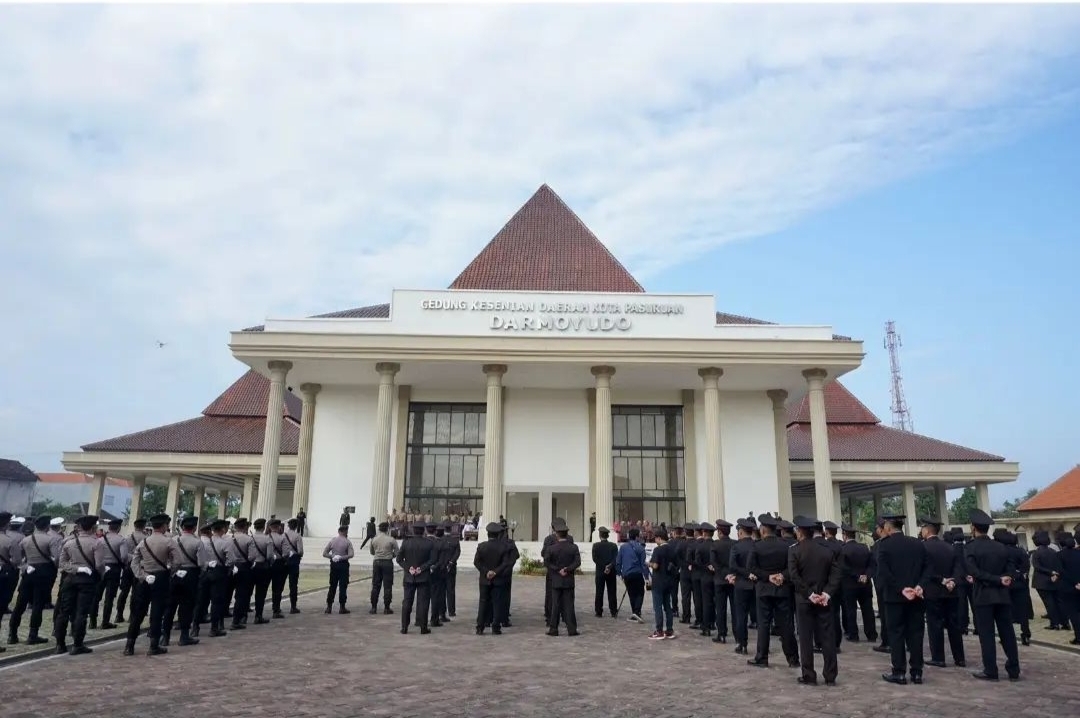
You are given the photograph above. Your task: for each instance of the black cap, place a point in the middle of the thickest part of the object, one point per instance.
(139, 523)
(767, 520)
(893, 517)
(493, 528)
(86, 522)
(189, 522)
(929, 521)
(805, 522)
(159, 520)
(690, 526)
(721, 524)
(829, 525)
(274, 523)
(42, 522)
(978, 517)
(746, 524)
(419, 527)
(219, 525)
(847, 528)
(1000, 534)
(559, 524)
(660, 534)
(259, 524)
(785, 525)
(384, 526)
(241, 523)
(116, 523)
(603, 531)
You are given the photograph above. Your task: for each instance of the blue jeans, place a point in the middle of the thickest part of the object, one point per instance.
(662, 597)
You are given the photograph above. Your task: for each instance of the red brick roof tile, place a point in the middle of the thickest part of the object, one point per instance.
(204, 435)
(248, 396)
(841, 407)
(545, 247)
(15, 471)
(1062, 494)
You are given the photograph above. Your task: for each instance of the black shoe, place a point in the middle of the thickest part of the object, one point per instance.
(404, 630)
(496, 630)
(881, 649)
(278, 614)
(237, 627)
(259, 620)
(435, 624)
(830, 683)
(92, 626)
(373, 611)
(758, 662)
(982, 676)
(898, 678)
(1025, 640)
(553, 633)
(12, 640)
(129, 648)
(507, 624)
(424, 631)
(388, 611)
(164, 640)
(108, 626)
(35, 641)
(218, 632)
(188, 641)
(720, 639)
(156, 651)
(741, 649)
(61, 649)
(853, 639)
(936, 664)
(479, 631)
(803, 681)
(572, 633)
(119, 618)
(599, 614)
(1014, 677)
(794, 663)
(960, 664)
(294, 610)
(329, 609)
(916, 678)
(342, 609)
(80, 650)
(452, 614)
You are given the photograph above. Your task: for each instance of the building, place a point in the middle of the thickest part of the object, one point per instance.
(544, 382)
(71, 489)
(17, 484)
(1055, 508)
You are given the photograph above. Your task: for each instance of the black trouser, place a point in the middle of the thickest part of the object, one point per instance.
(775, 610)
(9, 578)
(260, 580)
(182, 593)
(203, 597)
(1020, 599)
(508, 592)
(963, 615)
(547, 599)
(33, 592)
(606, 582)
(1070, 603)
(148, 598)
(998, 615)
(438, 596)
(882, 616)
(339, 583)
(562, 606)
(1051, 599)
(906, 624)
(860, 597)
(451, 590)
(294, 579)
(75, 601)
(817, 626)
(635, 591)
(942, 619)
(686, 591)
(490, 611)
(420, 594)
(106, 588)
(744, 600)
(217, 589)
(723, 594)
(244, 585)
(279, 573)
(835, 603)
(127, 580)
(698, 599)
(382, 580)
(708, 607)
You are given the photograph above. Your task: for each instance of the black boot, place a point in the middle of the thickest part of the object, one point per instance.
(186, 639)
(129, 647)
(93, 623)
(35, 640)
(386, 611)
(164, 640)
(373, 610)
(155, 648)
(194, 633)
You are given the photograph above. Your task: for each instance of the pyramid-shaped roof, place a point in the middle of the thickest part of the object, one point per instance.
(841, 407)
(1062, 494)
(545, 247)
(248, 396)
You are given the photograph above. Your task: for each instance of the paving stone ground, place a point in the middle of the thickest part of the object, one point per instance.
(359, 665)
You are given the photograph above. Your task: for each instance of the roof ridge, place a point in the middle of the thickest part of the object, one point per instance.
(1067, 478)
(995, 457)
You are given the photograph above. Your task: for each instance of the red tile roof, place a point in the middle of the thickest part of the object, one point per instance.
(248, 396)
(855, 434)
(545, 247)
(67, 477)
(15, 471)
(1062, 494)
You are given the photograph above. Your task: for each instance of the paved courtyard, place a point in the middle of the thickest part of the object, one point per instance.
(359, 665)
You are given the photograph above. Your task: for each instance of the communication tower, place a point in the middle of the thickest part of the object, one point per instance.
(901, 417)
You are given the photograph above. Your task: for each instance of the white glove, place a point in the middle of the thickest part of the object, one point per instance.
(235, 569)
(335, 558)
(30, 570)
(107, 567)
(212, 564)
(150, 579)
(181, 573)
(84, 570)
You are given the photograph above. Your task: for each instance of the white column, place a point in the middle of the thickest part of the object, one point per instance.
(714, 467)
(912, 523)
(942, 504)
(384, 420)
(97, 493)
(247, 499)
(271, 454)
(838, 504)
(494, 495)
(138, 486)
(302, 483)
(982, 496)
(172, 497)
(819, 438)
(223, 503)
(605, 501)
(197, 505)
(543, 515)
(783, 466)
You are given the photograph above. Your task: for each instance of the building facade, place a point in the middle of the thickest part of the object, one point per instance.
(544, 382)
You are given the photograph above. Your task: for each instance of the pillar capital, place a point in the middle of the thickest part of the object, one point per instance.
(710, 372)
(603, 371)
(495, 369)
(778, 396)
(310, 390)
(387, 368)
(279, 367)
(815, 374)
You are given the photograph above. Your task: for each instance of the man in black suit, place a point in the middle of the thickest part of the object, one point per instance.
(990, 570)
(491, 561)
(941, 596)
(549, 541)
(856, 568)
(562, 560)
(1046, 578)
(719, 568)
(742, 586)
(768, 568)
(815, 576)
(604, 553)
(902, 571)
(416, 556)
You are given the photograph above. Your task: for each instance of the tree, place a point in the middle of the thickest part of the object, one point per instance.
(962, 506)
(1009, 508)
(54, 509)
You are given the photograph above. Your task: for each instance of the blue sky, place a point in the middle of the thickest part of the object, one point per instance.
(175, 173)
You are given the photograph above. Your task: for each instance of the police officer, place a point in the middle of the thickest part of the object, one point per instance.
(340, 551)
(202, 591)
(490, 560)
(110, 558)
(563, 559)
(719, 568)
(294, 539)
(241, 557)
(604, 553)
(40, 557)
(279, 569)
(453, 543)
(856, 590)
(814, 569)
(127, 579)
(150, 571)
(741, 582)
(435, 534)
(508, 574)
(384, 549)
(261, 568)
(77, 589)
(768, 568)
(991, 570)
(416, 556)
(903, 572)
(184, 585)
(10, 558)
(213, 561)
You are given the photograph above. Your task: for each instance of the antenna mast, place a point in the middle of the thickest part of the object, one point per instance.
(901, 417)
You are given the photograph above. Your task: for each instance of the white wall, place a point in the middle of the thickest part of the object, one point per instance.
(748, 446)
(545, 438)
(341, 457)
(643, 397)
(283, 507)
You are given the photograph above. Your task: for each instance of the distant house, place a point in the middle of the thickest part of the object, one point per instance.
(17, 484)
(1055, 508)
(70, 489)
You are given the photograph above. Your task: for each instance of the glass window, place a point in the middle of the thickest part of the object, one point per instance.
(444, 459)
(647, 463)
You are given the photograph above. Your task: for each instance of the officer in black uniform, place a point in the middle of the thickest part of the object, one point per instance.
(435, 535)
(719, 567)
(814, 569)
(703, 581)
(856, 570)
(416, 556)
(840, 619)
(1020, 590)
(453, 542)
(903, 571)
(992, 568)
(768, 568)
(492, 561)
(604, 553)
(563, 559)
(678, 543)
(742, 586)
(946, 574)
(509, 575)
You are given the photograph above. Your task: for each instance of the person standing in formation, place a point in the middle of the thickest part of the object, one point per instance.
(492, 561)
(604, 554)
(384, 548)
(78, 587)
(184, 561)
(703, 581)
(1046, 577)
(416, 556)
(563, 559)
(856, 590)
(127, 578)
(10, 558)
(990, 569)
(946, 572)
(665, 586)
(438, 574)
(261, 569)
(719, 569)
(453, 544)
(202, 591)
(242, 555)
(340, 551)
(150, 570)
(767, 567)
(294, 538)
(111, 558)
(215, 565)
(279, 569)
(40, 564)
(902, 572)
(742, 584)
(508, 574)
(814, 569)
